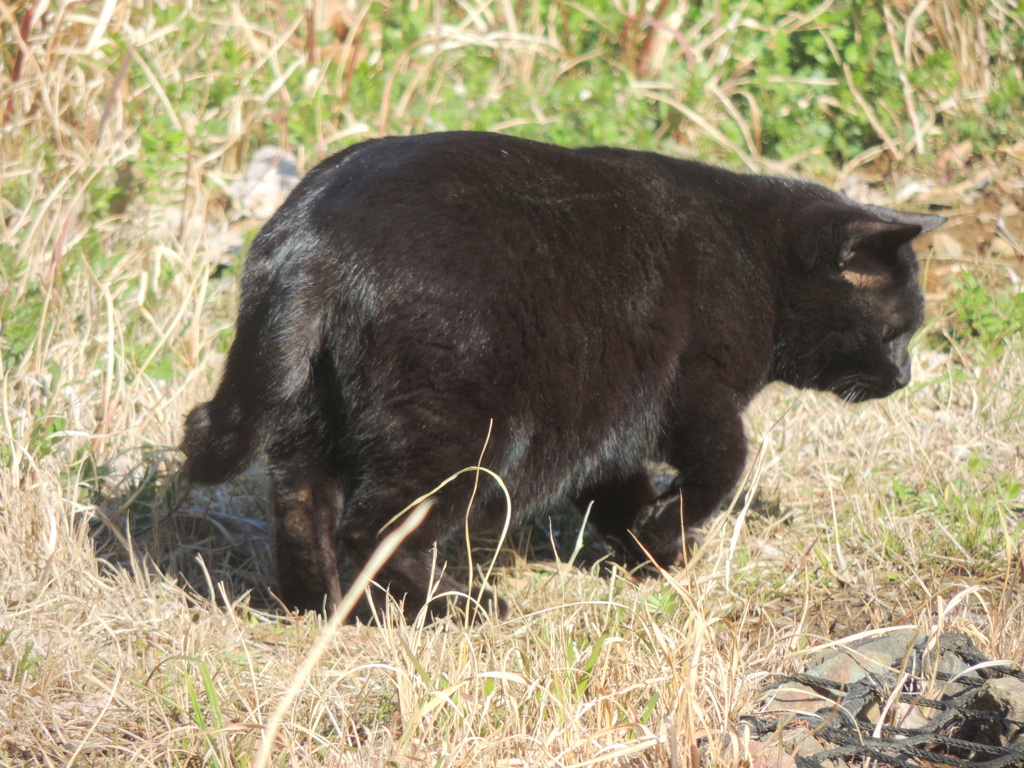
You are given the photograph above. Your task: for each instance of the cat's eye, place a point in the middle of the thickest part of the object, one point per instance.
(888, 333)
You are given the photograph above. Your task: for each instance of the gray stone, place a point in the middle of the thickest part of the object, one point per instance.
(271, 174)
(1003, 696)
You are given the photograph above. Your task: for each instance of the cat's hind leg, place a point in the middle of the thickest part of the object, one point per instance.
(307, 503)
(413, 574)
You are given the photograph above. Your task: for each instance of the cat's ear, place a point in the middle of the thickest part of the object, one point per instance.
(926, 221)
(870, 249)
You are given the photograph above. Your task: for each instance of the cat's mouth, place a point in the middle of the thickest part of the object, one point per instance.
(856, 389)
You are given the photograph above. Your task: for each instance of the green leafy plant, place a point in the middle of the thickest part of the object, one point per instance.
(22, 666)
(987, 317)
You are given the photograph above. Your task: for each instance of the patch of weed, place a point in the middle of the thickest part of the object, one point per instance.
(983, 318)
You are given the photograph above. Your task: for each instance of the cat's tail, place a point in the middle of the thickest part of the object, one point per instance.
(280, 331)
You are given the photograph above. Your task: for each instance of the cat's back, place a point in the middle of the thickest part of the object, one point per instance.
(504, 257)
(464, 215)
(485, 179)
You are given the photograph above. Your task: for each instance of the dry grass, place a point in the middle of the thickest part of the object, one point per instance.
(137, 623)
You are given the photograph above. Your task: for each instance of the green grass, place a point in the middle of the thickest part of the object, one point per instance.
(984, 317)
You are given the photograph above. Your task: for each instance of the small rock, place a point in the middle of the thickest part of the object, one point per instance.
(1005, 697)
(271, 174)
(846, 689)
(796, 698)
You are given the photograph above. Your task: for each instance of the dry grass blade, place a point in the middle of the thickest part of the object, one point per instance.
(387, 548)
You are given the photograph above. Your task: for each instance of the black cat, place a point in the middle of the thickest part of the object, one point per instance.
(598, 308)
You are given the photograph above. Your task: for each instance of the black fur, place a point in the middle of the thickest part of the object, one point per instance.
(603, 308)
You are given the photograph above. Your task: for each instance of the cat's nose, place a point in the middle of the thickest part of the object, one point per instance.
(901, 362)
(902, 377)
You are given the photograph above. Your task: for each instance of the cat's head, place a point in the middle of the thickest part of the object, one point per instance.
(855, 300)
